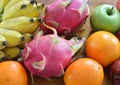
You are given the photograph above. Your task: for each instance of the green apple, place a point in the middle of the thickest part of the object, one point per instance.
(105, 17)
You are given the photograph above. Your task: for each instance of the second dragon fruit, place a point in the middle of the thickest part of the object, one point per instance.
(65, 15)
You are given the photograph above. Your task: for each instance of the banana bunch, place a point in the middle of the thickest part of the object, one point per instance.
(19, 21)
(12, 52)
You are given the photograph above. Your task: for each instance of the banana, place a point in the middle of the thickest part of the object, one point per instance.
(3, 4)
(28, 37)
(12, 52)
(36, 31)
(12, 37)
(37, 9)
(0, 17)
(2, 55)
(3, 42)
(23, 8)
(35, 26)
(11, 3)
(21, 24)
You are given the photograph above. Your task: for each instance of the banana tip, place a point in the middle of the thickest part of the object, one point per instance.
(4, 43)
(22, 38)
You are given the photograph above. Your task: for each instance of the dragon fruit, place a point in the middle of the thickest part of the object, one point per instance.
(65, 15)
(48, 55)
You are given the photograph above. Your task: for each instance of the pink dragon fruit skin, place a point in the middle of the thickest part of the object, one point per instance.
(47, 56)
(66, 15)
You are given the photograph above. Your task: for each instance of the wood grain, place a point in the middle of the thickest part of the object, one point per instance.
(86, 26)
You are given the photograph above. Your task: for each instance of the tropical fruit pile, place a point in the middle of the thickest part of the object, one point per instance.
(44, 38)
(51, 49)
(44, 42)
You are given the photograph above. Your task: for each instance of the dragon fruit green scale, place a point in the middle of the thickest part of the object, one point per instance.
(65, 15)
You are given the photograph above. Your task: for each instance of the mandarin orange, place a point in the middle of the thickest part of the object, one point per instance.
(12, 73)
(84, 71)
(103, 46)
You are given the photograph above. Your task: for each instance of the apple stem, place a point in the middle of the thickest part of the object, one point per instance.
(110, 12)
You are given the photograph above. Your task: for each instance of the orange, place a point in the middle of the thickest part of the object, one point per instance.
(12, 73)
(103, 46)
(84, 71)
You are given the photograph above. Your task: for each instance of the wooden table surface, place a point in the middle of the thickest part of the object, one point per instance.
(86, 26)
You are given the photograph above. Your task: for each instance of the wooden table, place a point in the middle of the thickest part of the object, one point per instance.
(59, 81)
